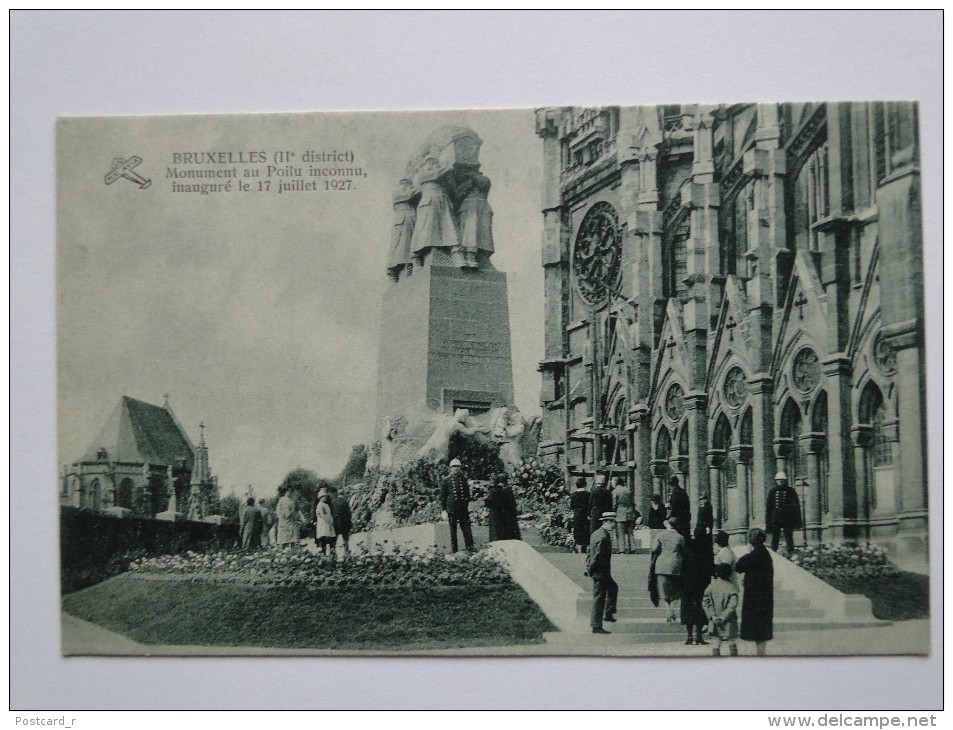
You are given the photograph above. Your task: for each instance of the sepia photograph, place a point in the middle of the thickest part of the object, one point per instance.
(620, 380)
(476, 360)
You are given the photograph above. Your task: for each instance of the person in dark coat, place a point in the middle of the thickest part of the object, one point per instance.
(252, 523)
(511, 512)
(706, 516)
(757, 605)
(579, 504)
(783, 512)
(455, 500)
(343, 519)
(681, 509)
(657, 513)
(696, 575)
(600, 501)
(496, 511)
(605, 591)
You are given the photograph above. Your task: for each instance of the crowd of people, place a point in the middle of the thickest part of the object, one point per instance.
(331, 522)
(693, 571)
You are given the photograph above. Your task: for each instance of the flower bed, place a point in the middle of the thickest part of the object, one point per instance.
(844, 561)
(295, 567)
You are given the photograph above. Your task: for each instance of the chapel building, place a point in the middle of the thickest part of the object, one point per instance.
(142, 463)
(735, 290)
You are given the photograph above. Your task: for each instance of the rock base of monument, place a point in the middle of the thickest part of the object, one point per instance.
(421, 537)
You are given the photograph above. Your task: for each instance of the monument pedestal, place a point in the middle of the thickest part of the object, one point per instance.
(445, 343)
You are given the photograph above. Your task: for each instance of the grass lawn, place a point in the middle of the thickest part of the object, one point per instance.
(215, 614)
(897, 598)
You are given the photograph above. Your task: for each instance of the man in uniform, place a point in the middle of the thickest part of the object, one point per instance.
(455, 499)
(783, 513)
(605, 590)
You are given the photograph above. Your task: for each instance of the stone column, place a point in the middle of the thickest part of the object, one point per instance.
(762, 435)
(696, 404)
(716, 457)
(860, 438)
(813, 445)
(911, 472)
(782, 454)
(900, 236)
(742, 456)
(642, 454)
(842, 484)
(659, 471)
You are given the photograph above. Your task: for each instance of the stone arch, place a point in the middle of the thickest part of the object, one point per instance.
(876, 434)
(820, 450)
(93, 495)
(124, 493)
(788, 447)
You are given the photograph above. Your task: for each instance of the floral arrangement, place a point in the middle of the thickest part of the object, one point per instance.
(292, 566)
(844, 561)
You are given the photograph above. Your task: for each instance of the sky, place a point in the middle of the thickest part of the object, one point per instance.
(259, 313)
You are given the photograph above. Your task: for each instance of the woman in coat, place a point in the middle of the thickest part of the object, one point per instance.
(502, 517)
(251, 526)
(757, 605)
(668, 554)
(579, 504)
(696, 575)
(495, 511)
(511, 513)
(657, 513)
(287, 513)
(324, 535)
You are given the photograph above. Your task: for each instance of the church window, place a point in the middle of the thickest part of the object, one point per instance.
(811, 198)
(745, 440)
(791, 428)
(728, 468)
(819, 427)
(124, 497)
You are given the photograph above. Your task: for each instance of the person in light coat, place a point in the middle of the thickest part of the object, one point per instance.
(287, 512)
(324, 535)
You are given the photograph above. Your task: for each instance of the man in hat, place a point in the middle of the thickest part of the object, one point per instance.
(455, 499)
(605, 590)
(681, 508)
(783, 513)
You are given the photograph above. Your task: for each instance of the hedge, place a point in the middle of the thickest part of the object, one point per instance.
(95, 546)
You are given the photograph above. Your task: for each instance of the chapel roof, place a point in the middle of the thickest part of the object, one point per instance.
(139, 432)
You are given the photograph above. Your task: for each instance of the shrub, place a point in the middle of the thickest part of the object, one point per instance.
(847, 561)
(294, 567)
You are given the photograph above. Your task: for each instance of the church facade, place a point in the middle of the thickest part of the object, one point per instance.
(735, 290)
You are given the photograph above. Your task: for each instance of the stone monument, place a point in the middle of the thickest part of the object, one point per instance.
(445, 339)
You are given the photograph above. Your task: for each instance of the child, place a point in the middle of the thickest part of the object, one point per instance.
(721, 606)
(726, 555)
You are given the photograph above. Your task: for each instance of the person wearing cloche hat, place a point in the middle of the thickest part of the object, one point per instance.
(605, 590)
(324, 535)
(783, 512)
(455, 500)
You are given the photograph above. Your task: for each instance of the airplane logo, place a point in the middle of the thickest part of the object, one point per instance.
(124, 168)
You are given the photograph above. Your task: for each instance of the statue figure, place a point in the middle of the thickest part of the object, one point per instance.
(435, 226)
(438, 446)
(405, 217)
(475, 217)
(508, 427)
(442, 204)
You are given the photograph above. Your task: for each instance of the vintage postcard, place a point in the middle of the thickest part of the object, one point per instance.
(620, 380)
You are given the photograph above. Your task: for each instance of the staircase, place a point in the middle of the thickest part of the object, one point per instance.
(801, 601)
